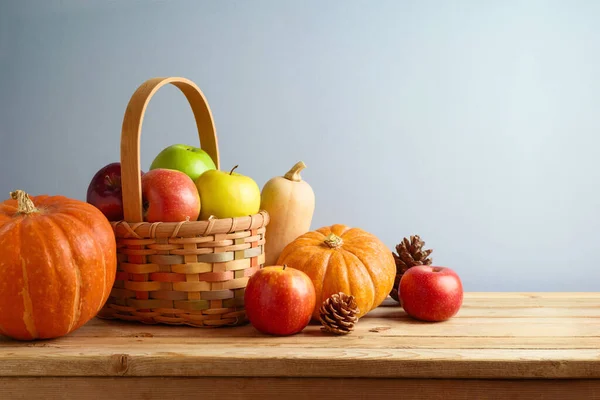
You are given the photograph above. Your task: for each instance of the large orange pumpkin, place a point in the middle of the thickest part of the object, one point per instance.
(338, 258)
(57, 265)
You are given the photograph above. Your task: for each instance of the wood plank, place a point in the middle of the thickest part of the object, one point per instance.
(227, 360)
(99, 327)
(522, 336)
(401, 326)
(354, 341)
(502, 310)
(272, 388)
(491, 327)
(372, 333)
(532, 302)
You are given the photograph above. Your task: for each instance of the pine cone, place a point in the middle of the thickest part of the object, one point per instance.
(338, 314)
(410, 253)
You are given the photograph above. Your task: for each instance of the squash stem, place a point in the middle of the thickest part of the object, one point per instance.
(333, 241)
(24, 203)
(294, 173)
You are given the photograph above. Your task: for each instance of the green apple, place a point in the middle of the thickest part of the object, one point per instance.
(192, 161)
(227, 194)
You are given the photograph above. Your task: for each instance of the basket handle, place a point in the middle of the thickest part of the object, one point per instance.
(131, 132)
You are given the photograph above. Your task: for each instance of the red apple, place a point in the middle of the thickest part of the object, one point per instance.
(104, 191)
(279, 300)
(169, 196)
(430, 293)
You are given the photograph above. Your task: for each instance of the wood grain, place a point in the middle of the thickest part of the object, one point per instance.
(145, 339)
(313, 388)
(529, 335)
(226, 360)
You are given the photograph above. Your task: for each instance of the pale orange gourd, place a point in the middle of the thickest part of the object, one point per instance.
(290, 202)
(339, 258)
(57, 265)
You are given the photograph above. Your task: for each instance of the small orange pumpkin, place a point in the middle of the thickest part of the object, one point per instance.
(57, 265)
(339, 258)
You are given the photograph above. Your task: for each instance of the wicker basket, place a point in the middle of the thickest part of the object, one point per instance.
(179, 273)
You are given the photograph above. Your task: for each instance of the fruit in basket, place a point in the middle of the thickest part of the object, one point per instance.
(409, 253)
(279, 300)
(290, 202)
(169, 196)
(193, 161)
(58, 264)
(104, 191)
(227, 194)
(339, 258)
(431, 293)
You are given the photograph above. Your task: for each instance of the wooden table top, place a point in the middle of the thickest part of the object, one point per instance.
(494, 335)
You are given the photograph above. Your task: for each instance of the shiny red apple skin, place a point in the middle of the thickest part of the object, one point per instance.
(430, 293)
(279, 300)
(169, 196)
(105, 193)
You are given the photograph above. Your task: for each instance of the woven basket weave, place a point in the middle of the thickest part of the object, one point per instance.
(179, 273)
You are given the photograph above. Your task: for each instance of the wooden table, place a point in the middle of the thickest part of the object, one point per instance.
(500, 345)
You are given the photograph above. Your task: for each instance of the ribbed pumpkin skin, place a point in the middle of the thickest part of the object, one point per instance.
(57, 267)
(361, 266)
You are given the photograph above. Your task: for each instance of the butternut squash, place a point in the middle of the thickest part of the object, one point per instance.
(290, 202)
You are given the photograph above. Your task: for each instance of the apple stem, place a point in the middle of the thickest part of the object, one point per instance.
(294, 173)
(112, 183)
(232, 169)
(333, 241)
(25, 205)
(284, 266)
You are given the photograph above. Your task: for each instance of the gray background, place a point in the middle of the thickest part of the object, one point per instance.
(472, 123)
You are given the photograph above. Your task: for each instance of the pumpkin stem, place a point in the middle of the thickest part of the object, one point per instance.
(333, 241)
(232, 169)
(294, 173)
(25, 205)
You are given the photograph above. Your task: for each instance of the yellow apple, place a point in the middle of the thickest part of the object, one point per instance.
(227, 194)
